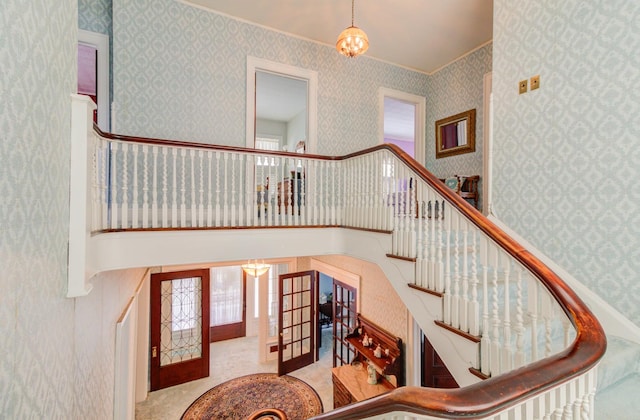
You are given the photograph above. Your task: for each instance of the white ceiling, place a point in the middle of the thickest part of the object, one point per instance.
(423, 35)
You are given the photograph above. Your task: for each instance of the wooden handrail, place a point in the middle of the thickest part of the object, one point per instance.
(491, 395)
(497, 393)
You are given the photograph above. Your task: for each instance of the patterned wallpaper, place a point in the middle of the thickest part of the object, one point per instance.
(567, 155)
(454, 89)
(180, 72)
(57, 353)
(95, 16)
(37, 52)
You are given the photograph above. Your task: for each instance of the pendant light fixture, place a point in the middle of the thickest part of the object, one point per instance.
(255, 268)
(352, 41)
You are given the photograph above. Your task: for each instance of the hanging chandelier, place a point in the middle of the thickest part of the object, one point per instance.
(352, 41)
(255, 268)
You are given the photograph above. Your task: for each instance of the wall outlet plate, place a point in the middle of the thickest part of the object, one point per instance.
(522, 86)
(535, 82)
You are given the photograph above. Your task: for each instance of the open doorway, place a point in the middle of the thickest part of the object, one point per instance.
(402, 121)
(93, 73)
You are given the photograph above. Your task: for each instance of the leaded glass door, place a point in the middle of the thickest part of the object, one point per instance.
(297, 321)
(179, 327)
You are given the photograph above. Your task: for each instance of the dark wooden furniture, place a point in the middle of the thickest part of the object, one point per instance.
(290, 189)
(466, 187)
(350, 381)
(326, 313)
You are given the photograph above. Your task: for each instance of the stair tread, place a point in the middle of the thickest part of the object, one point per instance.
(621, 359)
(619, 400)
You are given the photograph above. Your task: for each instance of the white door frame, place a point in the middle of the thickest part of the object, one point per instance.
(256, 64)
(101, 43)
(420, 103)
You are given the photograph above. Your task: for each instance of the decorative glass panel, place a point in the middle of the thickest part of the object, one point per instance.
(180, 320)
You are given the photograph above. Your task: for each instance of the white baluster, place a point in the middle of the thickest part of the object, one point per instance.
(507, 354)
(125, 187)
(448, 292)
(94, 146)
(209, 212)
(233, 192)
(547, 316)
(519, 357)
(192, 179)
(145, 187)
(225, 199)
(201, 221)
(135, 205)
(464, 302)
(485, 342)
(412, 217)
(443, 220)
(474, 305)
(114, 187)
(104, 200)
(165, 184)
(495, 367)
(455, 298)
(154, 194)
(421, 261)
(183, 189)
(532, 306)
(174, 189)
(432, 281)
(217, 179)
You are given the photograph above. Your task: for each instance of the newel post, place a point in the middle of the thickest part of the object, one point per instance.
(82, 108)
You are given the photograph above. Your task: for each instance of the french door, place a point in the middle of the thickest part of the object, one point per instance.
(179, 327)
(297, 323)
(344, 321)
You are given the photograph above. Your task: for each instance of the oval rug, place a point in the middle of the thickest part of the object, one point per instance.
(239, 397)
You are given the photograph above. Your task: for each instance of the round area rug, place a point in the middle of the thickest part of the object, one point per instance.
(240, 397)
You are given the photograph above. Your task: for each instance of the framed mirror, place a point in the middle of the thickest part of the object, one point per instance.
(456, 134)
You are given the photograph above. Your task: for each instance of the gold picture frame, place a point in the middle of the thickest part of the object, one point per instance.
(456, 134)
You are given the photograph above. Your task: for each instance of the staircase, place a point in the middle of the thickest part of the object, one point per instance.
(516, 338)
(619, 381)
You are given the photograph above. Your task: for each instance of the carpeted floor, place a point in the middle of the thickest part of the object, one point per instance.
(240, 397)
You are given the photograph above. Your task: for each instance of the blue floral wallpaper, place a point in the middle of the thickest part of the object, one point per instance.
(180, 72)
(456, 88)
(567, 156)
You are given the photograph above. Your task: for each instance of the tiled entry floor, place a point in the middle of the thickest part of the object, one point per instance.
(231, 359)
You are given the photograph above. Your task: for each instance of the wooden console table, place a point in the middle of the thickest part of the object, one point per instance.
(350, 382)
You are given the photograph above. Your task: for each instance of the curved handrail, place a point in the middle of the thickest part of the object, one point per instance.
(500, 392)
(493, 394)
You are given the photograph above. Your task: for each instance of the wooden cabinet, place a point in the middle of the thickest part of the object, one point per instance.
(350, 382)
(290, 189)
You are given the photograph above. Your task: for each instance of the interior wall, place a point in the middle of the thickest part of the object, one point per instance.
(566, 155)
(273, 128)
(97, 16)
(38, 56)
(379, 302)
(180, 73)
(454, 89)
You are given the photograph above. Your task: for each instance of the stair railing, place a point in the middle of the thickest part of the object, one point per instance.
(539, 342)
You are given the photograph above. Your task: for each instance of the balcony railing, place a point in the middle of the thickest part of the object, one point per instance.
(539, 344)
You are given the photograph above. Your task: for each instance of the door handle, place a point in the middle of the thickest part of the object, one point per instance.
(154, 352)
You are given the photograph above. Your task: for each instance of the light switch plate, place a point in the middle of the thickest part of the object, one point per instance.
(535, 82)
(522, 86)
